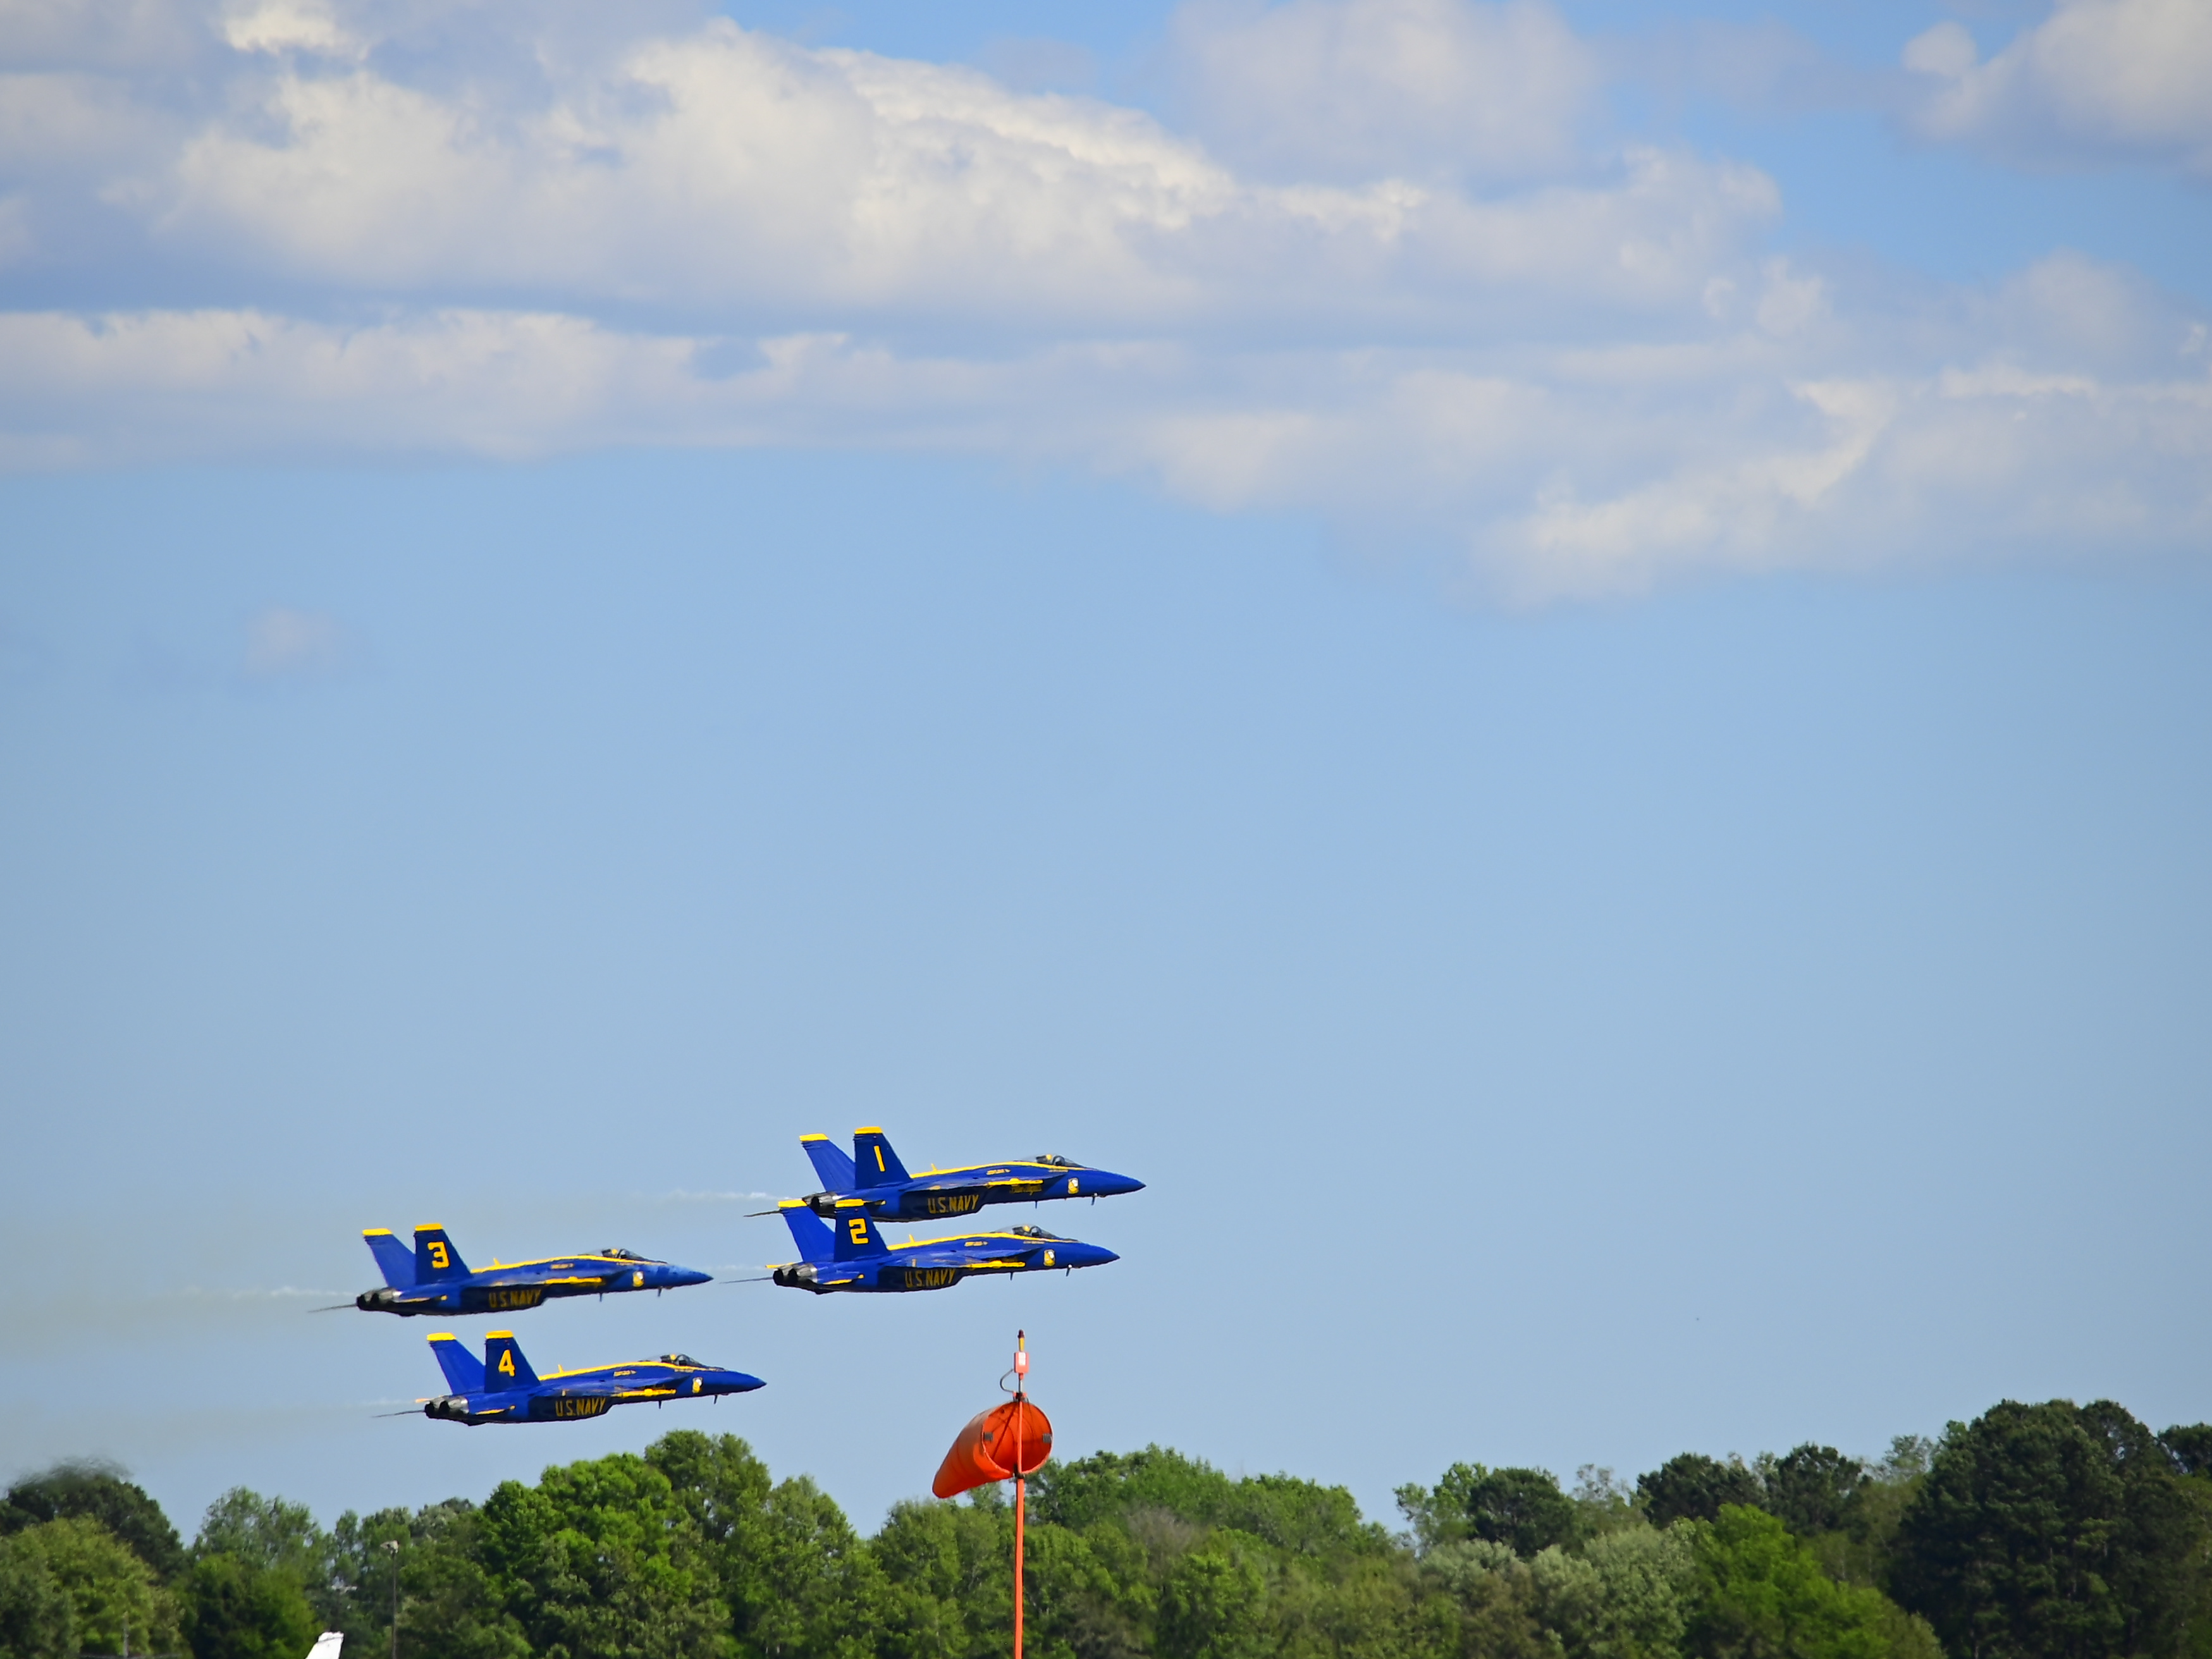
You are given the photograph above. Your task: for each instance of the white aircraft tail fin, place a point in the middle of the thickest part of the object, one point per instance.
(326, 1646)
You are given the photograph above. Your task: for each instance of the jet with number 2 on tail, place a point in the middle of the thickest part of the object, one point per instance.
(435, 1280)
(875, 1178)
(502, 1388)
(850, 1254)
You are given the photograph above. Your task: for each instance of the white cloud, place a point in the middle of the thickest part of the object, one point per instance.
(2096, 82)
(1349, 89)
(1578, 371)
(282, 25)
(1564, 470)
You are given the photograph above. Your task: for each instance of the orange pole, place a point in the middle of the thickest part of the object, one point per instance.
(1021, 1372)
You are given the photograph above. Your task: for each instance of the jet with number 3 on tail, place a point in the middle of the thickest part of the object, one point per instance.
(874, 1177)
(851, 1254)
(435, 1280)
(504, 1389)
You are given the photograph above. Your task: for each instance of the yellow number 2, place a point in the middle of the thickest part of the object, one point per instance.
(507, 1364)
(859, 1229)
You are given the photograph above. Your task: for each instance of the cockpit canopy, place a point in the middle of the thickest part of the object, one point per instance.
(1033, 1232)
(685, 1359)
(615, 1254)
(1056, 1161)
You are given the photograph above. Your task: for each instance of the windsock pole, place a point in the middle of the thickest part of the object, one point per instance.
(1021, 1373)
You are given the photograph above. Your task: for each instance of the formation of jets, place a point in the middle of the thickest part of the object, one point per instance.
(839, 1236)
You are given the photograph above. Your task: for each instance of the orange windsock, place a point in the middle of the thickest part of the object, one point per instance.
(985, 1451)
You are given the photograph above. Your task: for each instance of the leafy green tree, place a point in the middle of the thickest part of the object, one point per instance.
(1695, 1487)
(1090, 1594)
(114, 1597)
(265, 1532)
(1213, 1604)
(795, 1576)
(37, 1620)
(2052, 1531)
(599, 1560)
(357, 1598)
(2189, 1446)
(451, 1607)
(1488, 1598)
(1300, 1516)
(1627, 1596)
(235, 1609)
(102, 1492)
(948, 1571)
(1604, 1504)
(1523, 1509)
(1760, 1594)
(1814, 1489)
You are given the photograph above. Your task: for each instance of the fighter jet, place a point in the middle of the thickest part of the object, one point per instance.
(435, 1280)
(874, 1177)
(504, 1389)
(851, 1255)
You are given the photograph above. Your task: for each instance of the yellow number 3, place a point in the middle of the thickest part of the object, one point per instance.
(438, 1257)
(859, 1229)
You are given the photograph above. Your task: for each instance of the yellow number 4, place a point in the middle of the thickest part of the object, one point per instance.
(507, 1364)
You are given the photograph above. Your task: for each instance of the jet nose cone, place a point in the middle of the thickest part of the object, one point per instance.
(1092, 1255)
(737, 1383)
(679, 1277)
(1109, 1185)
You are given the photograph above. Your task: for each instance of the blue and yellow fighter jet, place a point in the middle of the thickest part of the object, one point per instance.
(850, 1254)
(504, 1389)
(874, 1177)
(435, 1280)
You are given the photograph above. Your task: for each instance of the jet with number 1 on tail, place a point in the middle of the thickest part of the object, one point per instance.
(504, 1389)
(875, 1179)
(435, 1280)
(851, 1254)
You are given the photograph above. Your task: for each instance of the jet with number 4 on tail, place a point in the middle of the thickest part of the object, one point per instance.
(850, 1254)
(874, 1178)
(504, 1389)
(435, 1280)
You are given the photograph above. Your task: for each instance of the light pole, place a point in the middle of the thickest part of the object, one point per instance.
(391, 1545)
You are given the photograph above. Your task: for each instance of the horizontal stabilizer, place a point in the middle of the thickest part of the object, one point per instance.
(875, 1163)
(831, 1167)
(393, 1261)
(464, 1374)
(812, 1236)
(504, 1365)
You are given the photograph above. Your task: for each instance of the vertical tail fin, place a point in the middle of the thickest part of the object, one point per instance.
(463, 1374)
(504, 1365)
(811, 1237)
(855, 1234)
(436, 1258)
(874, 1161)
(327, 1645)
(391, 1258)
(831, 1167)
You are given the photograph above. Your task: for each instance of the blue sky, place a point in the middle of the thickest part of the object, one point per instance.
(1549, 662)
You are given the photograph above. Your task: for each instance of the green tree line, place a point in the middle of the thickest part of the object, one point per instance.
(2050, 1531)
